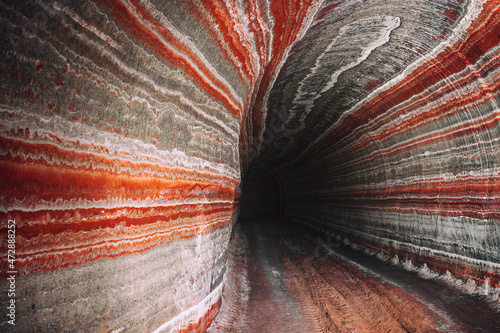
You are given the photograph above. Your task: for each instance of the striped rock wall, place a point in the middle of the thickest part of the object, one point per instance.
(126, 125)
(120, 156)
(383, 127)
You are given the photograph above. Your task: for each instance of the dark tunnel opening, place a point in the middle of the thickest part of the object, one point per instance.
(261, 197)
(284, 276)
(292, 266)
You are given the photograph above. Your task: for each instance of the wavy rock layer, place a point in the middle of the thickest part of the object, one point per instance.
(119, 139)
(126, 125)
(384, 127)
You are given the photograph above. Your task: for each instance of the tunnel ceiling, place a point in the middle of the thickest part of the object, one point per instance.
(367, 73)
(127, 125)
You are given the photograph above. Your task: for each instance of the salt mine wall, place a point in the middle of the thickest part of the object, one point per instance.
(126, 127)
(120, 134)
(384, 129)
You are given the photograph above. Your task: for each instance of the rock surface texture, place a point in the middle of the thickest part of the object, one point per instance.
(127, 125)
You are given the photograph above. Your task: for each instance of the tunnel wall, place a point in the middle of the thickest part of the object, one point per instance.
(118, 167)
(126, 127)
(121, 124)
(412, 165)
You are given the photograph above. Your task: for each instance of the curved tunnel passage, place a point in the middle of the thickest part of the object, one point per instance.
(288, 277)
(261, 196)
(128, 125)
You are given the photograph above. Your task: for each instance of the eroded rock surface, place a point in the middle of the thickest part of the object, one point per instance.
(127, 125)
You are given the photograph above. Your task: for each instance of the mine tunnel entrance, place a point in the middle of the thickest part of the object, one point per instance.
(285, 277)
(262, 196)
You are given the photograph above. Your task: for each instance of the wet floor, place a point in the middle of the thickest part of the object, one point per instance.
(283, 278)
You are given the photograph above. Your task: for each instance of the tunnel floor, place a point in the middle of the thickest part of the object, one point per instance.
(282, 277)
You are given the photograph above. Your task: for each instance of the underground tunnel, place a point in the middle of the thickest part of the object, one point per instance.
(250, 166)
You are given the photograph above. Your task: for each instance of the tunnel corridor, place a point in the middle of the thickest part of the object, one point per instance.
(250, 166)
(288, 277)
(285, 278)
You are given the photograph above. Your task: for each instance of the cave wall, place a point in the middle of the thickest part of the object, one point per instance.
(120, 156)
(126, 127)
(383, 127)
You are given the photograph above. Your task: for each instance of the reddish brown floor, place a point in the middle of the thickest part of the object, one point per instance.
(280, 281)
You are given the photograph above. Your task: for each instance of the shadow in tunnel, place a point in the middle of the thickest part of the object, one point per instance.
(285, 277)
(261, 200)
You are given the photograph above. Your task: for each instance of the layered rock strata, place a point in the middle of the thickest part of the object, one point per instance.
(120, 134)
(389, 132)
(126, 127)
